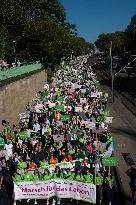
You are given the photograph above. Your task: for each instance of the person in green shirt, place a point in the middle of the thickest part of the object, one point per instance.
(22, 165)
(57, 174)
(110, 179)
(46, 175)
(78, 176)
(36, 175)
(99, 179)
(27, 176)
(2, 143)
(99, 183)
(17, 177)
(43, 164)
(71, 150)
(88, 177)
(69, 175)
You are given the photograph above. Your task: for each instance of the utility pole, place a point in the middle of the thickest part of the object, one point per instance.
(14, 43)
(112, 74)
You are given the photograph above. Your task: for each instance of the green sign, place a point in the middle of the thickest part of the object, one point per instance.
(65, 118)
(110, 161)
(58, 93)
(23, 135)
(97, 83)
(59, 108)
(44, 94)
(44, 99)
(106, 95)
(106, 114)
(60, 98)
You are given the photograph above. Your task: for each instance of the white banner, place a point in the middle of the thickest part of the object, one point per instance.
(57, 187)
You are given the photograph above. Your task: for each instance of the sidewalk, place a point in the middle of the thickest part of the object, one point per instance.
(123, 129)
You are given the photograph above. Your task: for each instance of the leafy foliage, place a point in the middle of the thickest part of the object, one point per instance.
(40, 31)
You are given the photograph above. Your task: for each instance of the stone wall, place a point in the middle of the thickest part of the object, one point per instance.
(14, 96)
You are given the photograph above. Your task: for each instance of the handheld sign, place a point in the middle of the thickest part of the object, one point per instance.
(83, 100)
(90, 125)
(60, 98)
(23, 135)
(44, 99)
(65, 118)
(106, 95)
(110, 161)
(59, 108)
(108, 120)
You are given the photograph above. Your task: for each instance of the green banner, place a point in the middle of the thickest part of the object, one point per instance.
(65, 118)
(59, 108)
(110, 161)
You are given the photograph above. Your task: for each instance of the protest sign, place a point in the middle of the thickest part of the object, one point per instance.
(23, 115)
(51, 104)
(83, 100)
(83, 91)
(59, 108)
(93, 95)
(58, 93)
(56, 89)
(56, 187)
(108, 120)
(3, 153)
(106, 95)
(44, 99)
(46, 87)
(71, 91)
(58, 138)
(97, 83)
(60, 98)
(65, 118)
(98, 130)
(91, 125)
(83, 122)
(38, 108)
(51, 168)
(23, 134)
(78, 109)
(110, 161)
(99, 94)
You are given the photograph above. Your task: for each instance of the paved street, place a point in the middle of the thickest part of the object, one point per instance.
(123, 129)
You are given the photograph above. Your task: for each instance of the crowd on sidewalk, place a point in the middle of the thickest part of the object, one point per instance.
(63, 134)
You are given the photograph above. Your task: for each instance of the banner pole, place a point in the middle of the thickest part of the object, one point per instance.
(95, 173)
(109, 171)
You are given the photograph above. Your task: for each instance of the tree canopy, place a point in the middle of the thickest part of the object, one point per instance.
(40, 31)
(121, 40)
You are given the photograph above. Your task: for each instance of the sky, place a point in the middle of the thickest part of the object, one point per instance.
(93, 17)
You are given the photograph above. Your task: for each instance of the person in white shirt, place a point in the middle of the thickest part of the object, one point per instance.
(45, 129)
(9, 150)
(36, 127)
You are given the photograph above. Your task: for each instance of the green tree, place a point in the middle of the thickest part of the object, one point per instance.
(119, 40)
(131, 35)
(45, 40)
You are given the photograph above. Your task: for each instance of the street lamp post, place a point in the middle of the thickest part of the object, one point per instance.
(14, 43)
(112, 73)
